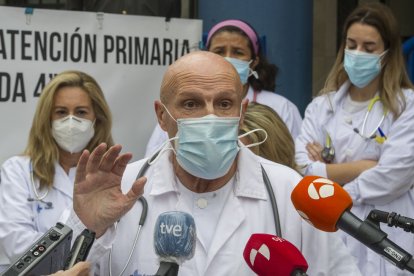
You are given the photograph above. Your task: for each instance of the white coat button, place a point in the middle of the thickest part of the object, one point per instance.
(349, 152)
(202, 203)
(348, 120)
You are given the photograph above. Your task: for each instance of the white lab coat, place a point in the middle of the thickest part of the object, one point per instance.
(23, 222)
(247, 211)
(287, 111)
(387, 187)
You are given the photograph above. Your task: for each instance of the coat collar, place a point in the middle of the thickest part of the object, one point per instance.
(334, 98)
(64, 182)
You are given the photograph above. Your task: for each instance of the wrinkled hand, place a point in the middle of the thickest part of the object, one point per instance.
(98, 200)
(314, 151)
(79, 269)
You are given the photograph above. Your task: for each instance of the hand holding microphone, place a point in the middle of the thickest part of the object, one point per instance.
(174, 241)
(269, 255)
(79, 269)
(325, 204)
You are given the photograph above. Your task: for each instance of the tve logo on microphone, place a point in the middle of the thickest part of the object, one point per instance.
(175, 229)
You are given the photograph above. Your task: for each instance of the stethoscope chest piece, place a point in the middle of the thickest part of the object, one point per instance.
(328, 151)
(328, 154)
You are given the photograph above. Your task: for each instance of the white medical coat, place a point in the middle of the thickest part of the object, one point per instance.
(23, 222)
(387, 187)
(247, 211)
(287, 111)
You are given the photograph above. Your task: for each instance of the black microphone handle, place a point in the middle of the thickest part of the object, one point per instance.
(375, 239)
(402, 222)
(298, 272)
(393, 219)
(410, 265)
(167, 269)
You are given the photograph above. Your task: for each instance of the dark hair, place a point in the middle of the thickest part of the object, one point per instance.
(267, 72)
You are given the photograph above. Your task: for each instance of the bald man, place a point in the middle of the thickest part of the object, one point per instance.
(202, 170)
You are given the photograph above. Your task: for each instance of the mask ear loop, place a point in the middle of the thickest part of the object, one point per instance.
(257, 143)
(252, 72)
(166, 109)
(160, 150)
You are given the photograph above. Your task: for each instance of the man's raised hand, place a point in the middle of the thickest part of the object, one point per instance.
(98, 199)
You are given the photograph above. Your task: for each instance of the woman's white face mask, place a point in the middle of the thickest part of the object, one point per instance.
(72, 133)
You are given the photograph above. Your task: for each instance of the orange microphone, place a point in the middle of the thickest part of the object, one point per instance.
(325, 204)
(321, 202)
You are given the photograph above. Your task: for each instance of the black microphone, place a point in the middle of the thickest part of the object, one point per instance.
(80, 248)
(325, 204)
(392, 219)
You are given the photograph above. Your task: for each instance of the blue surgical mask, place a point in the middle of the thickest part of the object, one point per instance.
(206, 147)
(362, 67)
(243, 68)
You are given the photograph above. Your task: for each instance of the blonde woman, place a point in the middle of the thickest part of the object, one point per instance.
(279, 146)
(71, 115)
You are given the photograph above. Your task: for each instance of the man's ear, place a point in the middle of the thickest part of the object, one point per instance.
(160, 111)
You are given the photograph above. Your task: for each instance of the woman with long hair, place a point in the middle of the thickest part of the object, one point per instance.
(359, 130)
(71, 115)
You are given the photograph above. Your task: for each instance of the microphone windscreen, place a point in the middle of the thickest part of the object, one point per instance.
(271, 255)
(321, 202)
(175, 237)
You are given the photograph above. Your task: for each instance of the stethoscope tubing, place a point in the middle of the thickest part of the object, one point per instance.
(328, 142)
(49, 205)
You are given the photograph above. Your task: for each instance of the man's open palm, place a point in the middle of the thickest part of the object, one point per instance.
(98, 199)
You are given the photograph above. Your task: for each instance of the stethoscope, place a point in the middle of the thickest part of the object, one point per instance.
(144, 212)
(328, 152)
(372, 134)
(37, 197)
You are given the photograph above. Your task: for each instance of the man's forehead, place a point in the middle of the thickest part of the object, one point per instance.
(200, 70)
(202, 63)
